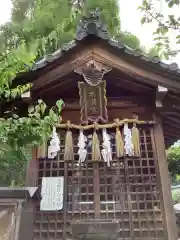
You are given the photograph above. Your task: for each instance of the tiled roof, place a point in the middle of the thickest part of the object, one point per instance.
(93, 26)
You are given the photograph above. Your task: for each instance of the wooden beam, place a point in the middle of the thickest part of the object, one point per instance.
(146, 76)
(129, 83)
(59, 84)
(105, 57)
(121, 102)
(176, 107)
(171, 134)
(130, 86)
(170, 124)
(165, 184)
(63, 69)
(170, 104)
(174, 96)
(175, 120)
(160, 94)
(177, 114)
(111, 104)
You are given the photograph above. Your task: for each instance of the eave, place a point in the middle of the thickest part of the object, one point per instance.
(67, 59)
(53, 71)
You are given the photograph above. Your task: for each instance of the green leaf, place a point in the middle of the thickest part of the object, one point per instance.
(164, 30)
(178, 41)
(171, 4)
(37, 108)
(43, 108)
(59, 104)
(53, 116)
(143, 20)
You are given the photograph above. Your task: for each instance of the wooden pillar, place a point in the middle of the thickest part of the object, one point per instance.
(32, 170)
(27, 221)
(96, 190)
(165, 184)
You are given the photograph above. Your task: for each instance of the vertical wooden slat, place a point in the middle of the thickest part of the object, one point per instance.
(96, 190)
(149, 174)
(65, 198)
(32, 170)
(169, 218)
(87, 186)
(129, 198)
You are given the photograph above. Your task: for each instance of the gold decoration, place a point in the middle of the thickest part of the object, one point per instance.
(136, 141)
(69, 147)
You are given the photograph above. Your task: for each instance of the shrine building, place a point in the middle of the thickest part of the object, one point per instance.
(109, 177)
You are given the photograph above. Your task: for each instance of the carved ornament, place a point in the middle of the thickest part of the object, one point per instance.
(92, 72)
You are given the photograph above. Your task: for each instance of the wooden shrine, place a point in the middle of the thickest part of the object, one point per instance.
(121, 112)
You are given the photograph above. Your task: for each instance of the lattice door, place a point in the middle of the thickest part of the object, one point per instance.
(126, 191)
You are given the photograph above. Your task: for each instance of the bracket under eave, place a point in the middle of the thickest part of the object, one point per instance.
(160, 94)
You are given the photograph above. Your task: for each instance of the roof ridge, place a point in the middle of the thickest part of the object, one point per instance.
(92, 25)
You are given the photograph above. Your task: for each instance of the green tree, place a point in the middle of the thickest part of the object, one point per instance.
(129, 39)
(165, 24)
(173, 157)
(20, 133)
(42, 23)
(37, 28)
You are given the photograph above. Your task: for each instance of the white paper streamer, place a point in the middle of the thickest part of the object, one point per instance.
(128, 146)
(54, 145)
(52, 193)
(82, 152)
(107, 150)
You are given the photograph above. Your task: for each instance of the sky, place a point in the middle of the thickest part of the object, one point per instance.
(130, 20)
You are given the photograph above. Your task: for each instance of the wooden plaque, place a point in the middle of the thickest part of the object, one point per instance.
(93, 102)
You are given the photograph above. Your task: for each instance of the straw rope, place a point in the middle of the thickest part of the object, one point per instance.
(117, 123)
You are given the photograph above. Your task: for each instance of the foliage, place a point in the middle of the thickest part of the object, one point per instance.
(38, 28)
(176, 197)
(13, 165)
(19, 133)
(109, 13)
(165, 25)
(56, 28)
(173, 157)
(129, 39)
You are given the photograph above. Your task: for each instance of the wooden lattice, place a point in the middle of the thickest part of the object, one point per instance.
(127, 191)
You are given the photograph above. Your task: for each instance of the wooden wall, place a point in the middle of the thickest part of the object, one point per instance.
(116, 109)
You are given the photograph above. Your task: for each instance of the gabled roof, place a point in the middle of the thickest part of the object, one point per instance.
(92, 26)
(49, 72)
